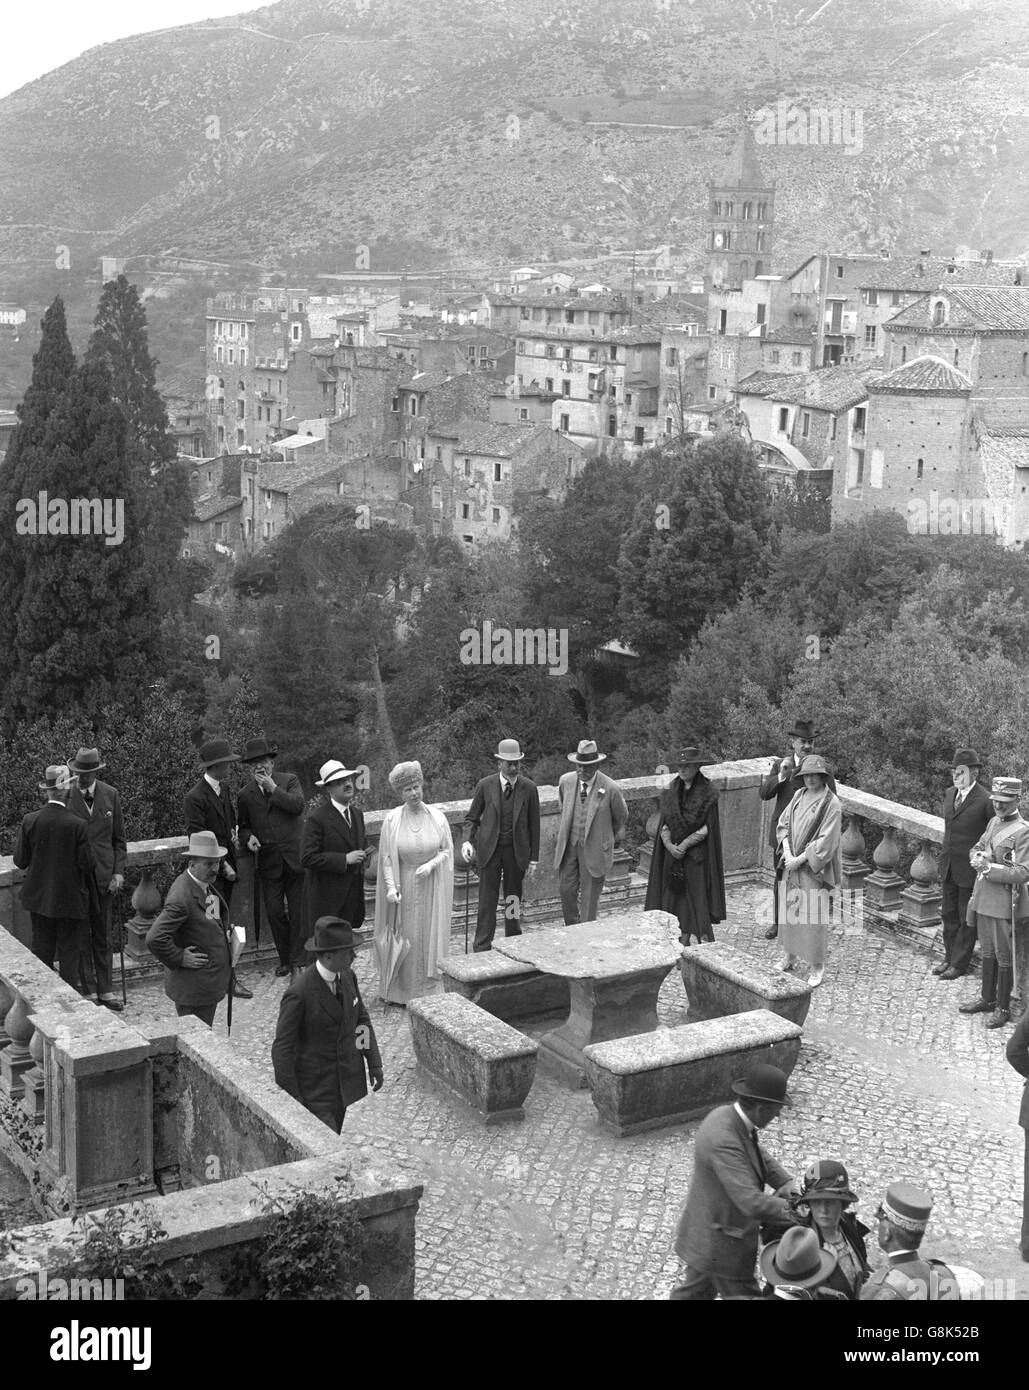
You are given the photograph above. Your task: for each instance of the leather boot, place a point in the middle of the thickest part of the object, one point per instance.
(987, 1003)
(1005, 979)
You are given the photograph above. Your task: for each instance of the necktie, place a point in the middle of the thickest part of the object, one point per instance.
(584, 792)
(346, 817)
(337, 989)
(958, 800)
(760, 1160)
(507, 791)
(88, 796)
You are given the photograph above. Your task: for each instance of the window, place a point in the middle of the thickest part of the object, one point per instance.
(921, 468)
(593, 354)
(295, 332)
(784, 418)
(612, 393)
(956, 356)
(569, 316)
(729, 209)
(671, 357)
(498, 472)
(241, 438)
(797, 358)
(548, 349)
(723, 320)
(566, 388)
(859, 419)
(839, 270)
(496, 516)
(242, 330)
(896, 298)
(439, 453)
(468, 468)
(242, 357)
(712, 392)
(805, 424)
(759, 266)
(565, 422)
(832, 428)
(774, 356)
(759, 245)
(612, 425)
(519, 346)
(468, 540)
(221, 434)
(870, 335)
(746, 212)
(395, 406)
(412, 404)
(668, 424)
(523, 414)
(871, 298)
(903, 355)
(613, 354)
(761, 308)
(267, 530)
(939, 314)
(219, 354)
(482, 352)
(232, 330)
(638, 435)
(744, 270)
(219, 530)
(241, 410)
(593, 318)
(548, 383)
(525, 312)
(466, 511)
(716, 208)
(219, 328)
(566, 354)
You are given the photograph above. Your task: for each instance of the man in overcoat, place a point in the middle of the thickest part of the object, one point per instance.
(781, 785)
(99, 806)
(593, 820)
(324, 1039)
(727, 1202)
(271, 819)
(333, 851)
(504, 835)
(190, 936)
(967, 810)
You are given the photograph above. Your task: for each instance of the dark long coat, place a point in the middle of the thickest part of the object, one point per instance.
(699, 807)
(332, 887)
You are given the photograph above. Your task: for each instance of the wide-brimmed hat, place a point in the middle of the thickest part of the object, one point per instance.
(907, 1206)
(812, 764)
(333, 772)
(966, 757)
(586, 754)
(803, 728)
(508, 751)
(330, 934)
(257, 748)
(762, 1082)
(57, 778)
(203, 844)
(217, 750)
(86, 760)
(691, 753)
(828, 1179)
(1006, 789)
(797, 1259)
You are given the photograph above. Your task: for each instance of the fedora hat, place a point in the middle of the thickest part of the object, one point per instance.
(762, 1082)
(812, 764)
(217, 750)
(797, 1259)
(907, 1206)
(586, 754)
(966, 757)
(330, 934)
(803, 728)
(691, 754)
(203, 844)
(57, 778)
(333, 771)
(257, 748)
(508, 751)
(1006, 789)
(86, 760)
(826, 1179)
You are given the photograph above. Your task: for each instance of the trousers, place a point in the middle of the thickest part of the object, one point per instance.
(95, 949)
(700, 1285)
(958, 937)
(580, 890)
(58, 936)
(502, 866)
(283, 895)
(204, 1012)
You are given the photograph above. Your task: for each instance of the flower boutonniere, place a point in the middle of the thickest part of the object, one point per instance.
(602, 791)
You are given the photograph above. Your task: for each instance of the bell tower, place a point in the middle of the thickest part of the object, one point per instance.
(740, 219)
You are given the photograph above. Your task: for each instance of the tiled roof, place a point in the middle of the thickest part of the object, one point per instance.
(986, 308)
(926, 373)
(937, 272)
(603, 302)
(671, 312)
(499, 441)
(832, 388)
(285, 477)
(427, 381)
(1004, 451)
(206, 508)
(804, 336)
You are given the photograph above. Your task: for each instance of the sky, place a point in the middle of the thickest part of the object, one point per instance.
(38, 37)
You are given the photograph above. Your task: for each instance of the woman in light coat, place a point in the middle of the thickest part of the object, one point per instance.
(808, 835)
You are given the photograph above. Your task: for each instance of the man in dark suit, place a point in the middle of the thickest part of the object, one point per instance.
(1017, 1052)
(189, 936)
(505, 835)
(967, 811)
(333, 851)
(99, 806)
(718, 1231)
(59, 888)
(208, 806)
(782, 784)
(324, 1037)
(271, 811)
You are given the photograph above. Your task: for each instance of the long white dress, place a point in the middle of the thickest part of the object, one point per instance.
(408, 840)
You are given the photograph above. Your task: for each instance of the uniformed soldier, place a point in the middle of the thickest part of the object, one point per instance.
(1000, 858)
(903, 1218)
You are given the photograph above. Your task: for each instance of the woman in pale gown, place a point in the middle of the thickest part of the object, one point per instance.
(808, 834)
(415, 880)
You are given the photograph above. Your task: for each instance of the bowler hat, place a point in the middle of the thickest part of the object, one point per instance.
(1006, 789)
(803, 728)
(907, 1206)
(762, 1082)
(966, 757)
(330, 934)
(333, 771)
(812, 764)
(586, 754)
(203, 844)
(827, 1178)
(508, 751)
(797, 1258)
(217, 750)
(691, 754)
(57, 778)
(86, 760)
(257, 748)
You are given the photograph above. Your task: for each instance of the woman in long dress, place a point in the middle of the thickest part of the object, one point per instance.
(808, 835)
(414, 888)
(686, 876)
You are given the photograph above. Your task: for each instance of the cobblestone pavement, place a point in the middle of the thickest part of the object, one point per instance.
(891, 1079)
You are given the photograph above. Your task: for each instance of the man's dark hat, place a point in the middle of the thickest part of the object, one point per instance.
(762, 1082)
(257, 748)
(691, 754)
(966, 757)
(330, 934)
(803, 728)
(797, 1259)
(86, 760)
(217, 750)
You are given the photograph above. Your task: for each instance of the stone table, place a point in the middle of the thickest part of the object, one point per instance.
(614, 967)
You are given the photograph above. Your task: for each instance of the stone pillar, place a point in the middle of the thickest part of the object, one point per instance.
(883, 886)
(922, 897)
(16, 1059)
(852, 846)
(146, 902)
(7, 998)
(32, 1081)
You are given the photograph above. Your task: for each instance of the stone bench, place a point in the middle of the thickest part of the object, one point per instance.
(506, 988)
(678, 1074)
(721, 979)
(480, 1058)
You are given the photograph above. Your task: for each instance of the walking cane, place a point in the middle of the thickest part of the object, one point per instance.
(121, 948)
(467, 895)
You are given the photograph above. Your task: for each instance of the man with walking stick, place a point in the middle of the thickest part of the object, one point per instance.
(504, 837)
(782, 783)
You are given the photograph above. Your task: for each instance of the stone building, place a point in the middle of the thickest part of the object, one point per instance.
(741, 218)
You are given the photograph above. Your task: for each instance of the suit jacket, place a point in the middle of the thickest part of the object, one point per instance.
(332, 887)
(1017, 1052)
(205, 811)
(783, 792)
(104, 828)
(961, 829)
(317, 1055)
(484, 820)
(1005, 888)
(184, 921)
(606, 816)
(727, 1202)
(276, 820)
(60, 871)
